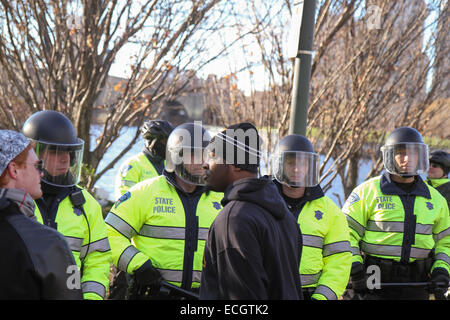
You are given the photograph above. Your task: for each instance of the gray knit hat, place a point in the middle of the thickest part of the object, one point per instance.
(12, 143)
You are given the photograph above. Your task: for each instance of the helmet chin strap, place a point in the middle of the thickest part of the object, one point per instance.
(155, 151)
(187, 176)
(289, 182)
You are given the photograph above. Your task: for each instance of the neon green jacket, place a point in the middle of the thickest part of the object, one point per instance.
(443, 186)
(326, 257)
(435, 183)
(136, 169)
(379, 219)
(150, 222)
(92, 257)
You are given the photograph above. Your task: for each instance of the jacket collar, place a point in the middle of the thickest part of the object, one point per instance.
(388, 186)
(170, 178)
(311, 193)
(437, 182)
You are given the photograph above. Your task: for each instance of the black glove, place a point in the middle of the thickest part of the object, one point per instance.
(439, 276)
(147, 275)
(359, 277)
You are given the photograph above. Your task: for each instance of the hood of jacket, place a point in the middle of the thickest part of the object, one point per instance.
(259, 191)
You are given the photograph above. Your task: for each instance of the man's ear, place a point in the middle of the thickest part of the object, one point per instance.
(12, 170)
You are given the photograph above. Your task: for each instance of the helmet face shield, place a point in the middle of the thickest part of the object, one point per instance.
(296, 168)
(184, 152)
(62, 162)
(406, 159)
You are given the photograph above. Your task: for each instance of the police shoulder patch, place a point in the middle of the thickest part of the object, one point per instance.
(123, 198)
(125, 170)
(318, 214)
(352, 198)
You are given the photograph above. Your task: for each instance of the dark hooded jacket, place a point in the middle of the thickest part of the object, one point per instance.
(36, 262)
(254, 246)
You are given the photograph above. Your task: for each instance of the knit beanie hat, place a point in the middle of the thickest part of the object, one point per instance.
(239, 145)
(12, 143)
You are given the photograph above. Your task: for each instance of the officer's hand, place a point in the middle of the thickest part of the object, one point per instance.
(439, 276)
(359, 277)
(147, 275)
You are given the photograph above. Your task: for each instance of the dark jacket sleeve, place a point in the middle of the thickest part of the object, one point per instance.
(242, 275)
(58, 272)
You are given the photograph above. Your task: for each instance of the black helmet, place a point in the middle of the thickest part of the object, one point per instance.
(442, 158)
(56, 142)
(295, 163)
(50, 127)
(185, 146)
(295, 142)
(404, 135)
(156, 133)
(402, 142)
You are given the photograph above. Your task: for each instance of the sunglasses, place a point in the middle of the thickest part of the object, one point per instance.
(39, 166)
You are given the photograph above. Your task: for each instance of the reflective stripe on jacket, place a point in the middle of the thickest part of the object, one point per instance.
(388, 222)
(153, 221)
(326, 257)
(94, 257)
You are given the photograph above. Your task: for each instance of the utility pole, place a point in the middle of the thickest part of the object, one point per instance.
(301, 42)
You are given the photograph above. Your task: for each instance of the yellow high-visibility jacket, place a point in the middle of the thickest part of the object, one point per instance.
(155, 220)
(86, 237)
(136, 169)
(326, 257)
(443, 186)
(379, 214)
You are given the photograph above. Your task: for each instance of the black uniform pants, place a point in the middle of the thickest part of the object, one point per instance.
(397, 272)
(396, 294)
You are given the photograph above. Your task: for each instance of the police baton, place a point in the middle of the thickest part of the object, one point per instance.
(182, 292)
(410, 285)
(406, 284)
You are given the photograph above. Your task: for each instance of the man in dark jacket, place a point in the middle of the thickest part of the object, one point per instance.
(254, 244)
(36, 262)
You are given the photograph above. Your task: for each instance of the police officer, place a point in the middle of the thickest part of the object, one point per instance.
(399, 226)
(158, 228)
(64, 205)
(438, 173)
(326, 256)
(145, 165)
(150, 162)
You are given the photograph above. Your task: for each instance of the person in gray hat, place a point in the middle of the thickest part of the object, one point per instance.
(36, 262)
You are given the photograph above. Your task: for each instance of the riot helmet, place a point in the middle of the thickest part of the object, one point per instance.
(441, 158)
(56, 143)
(184, 152)
(405, 153)
(156, 132)
(294, 162)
